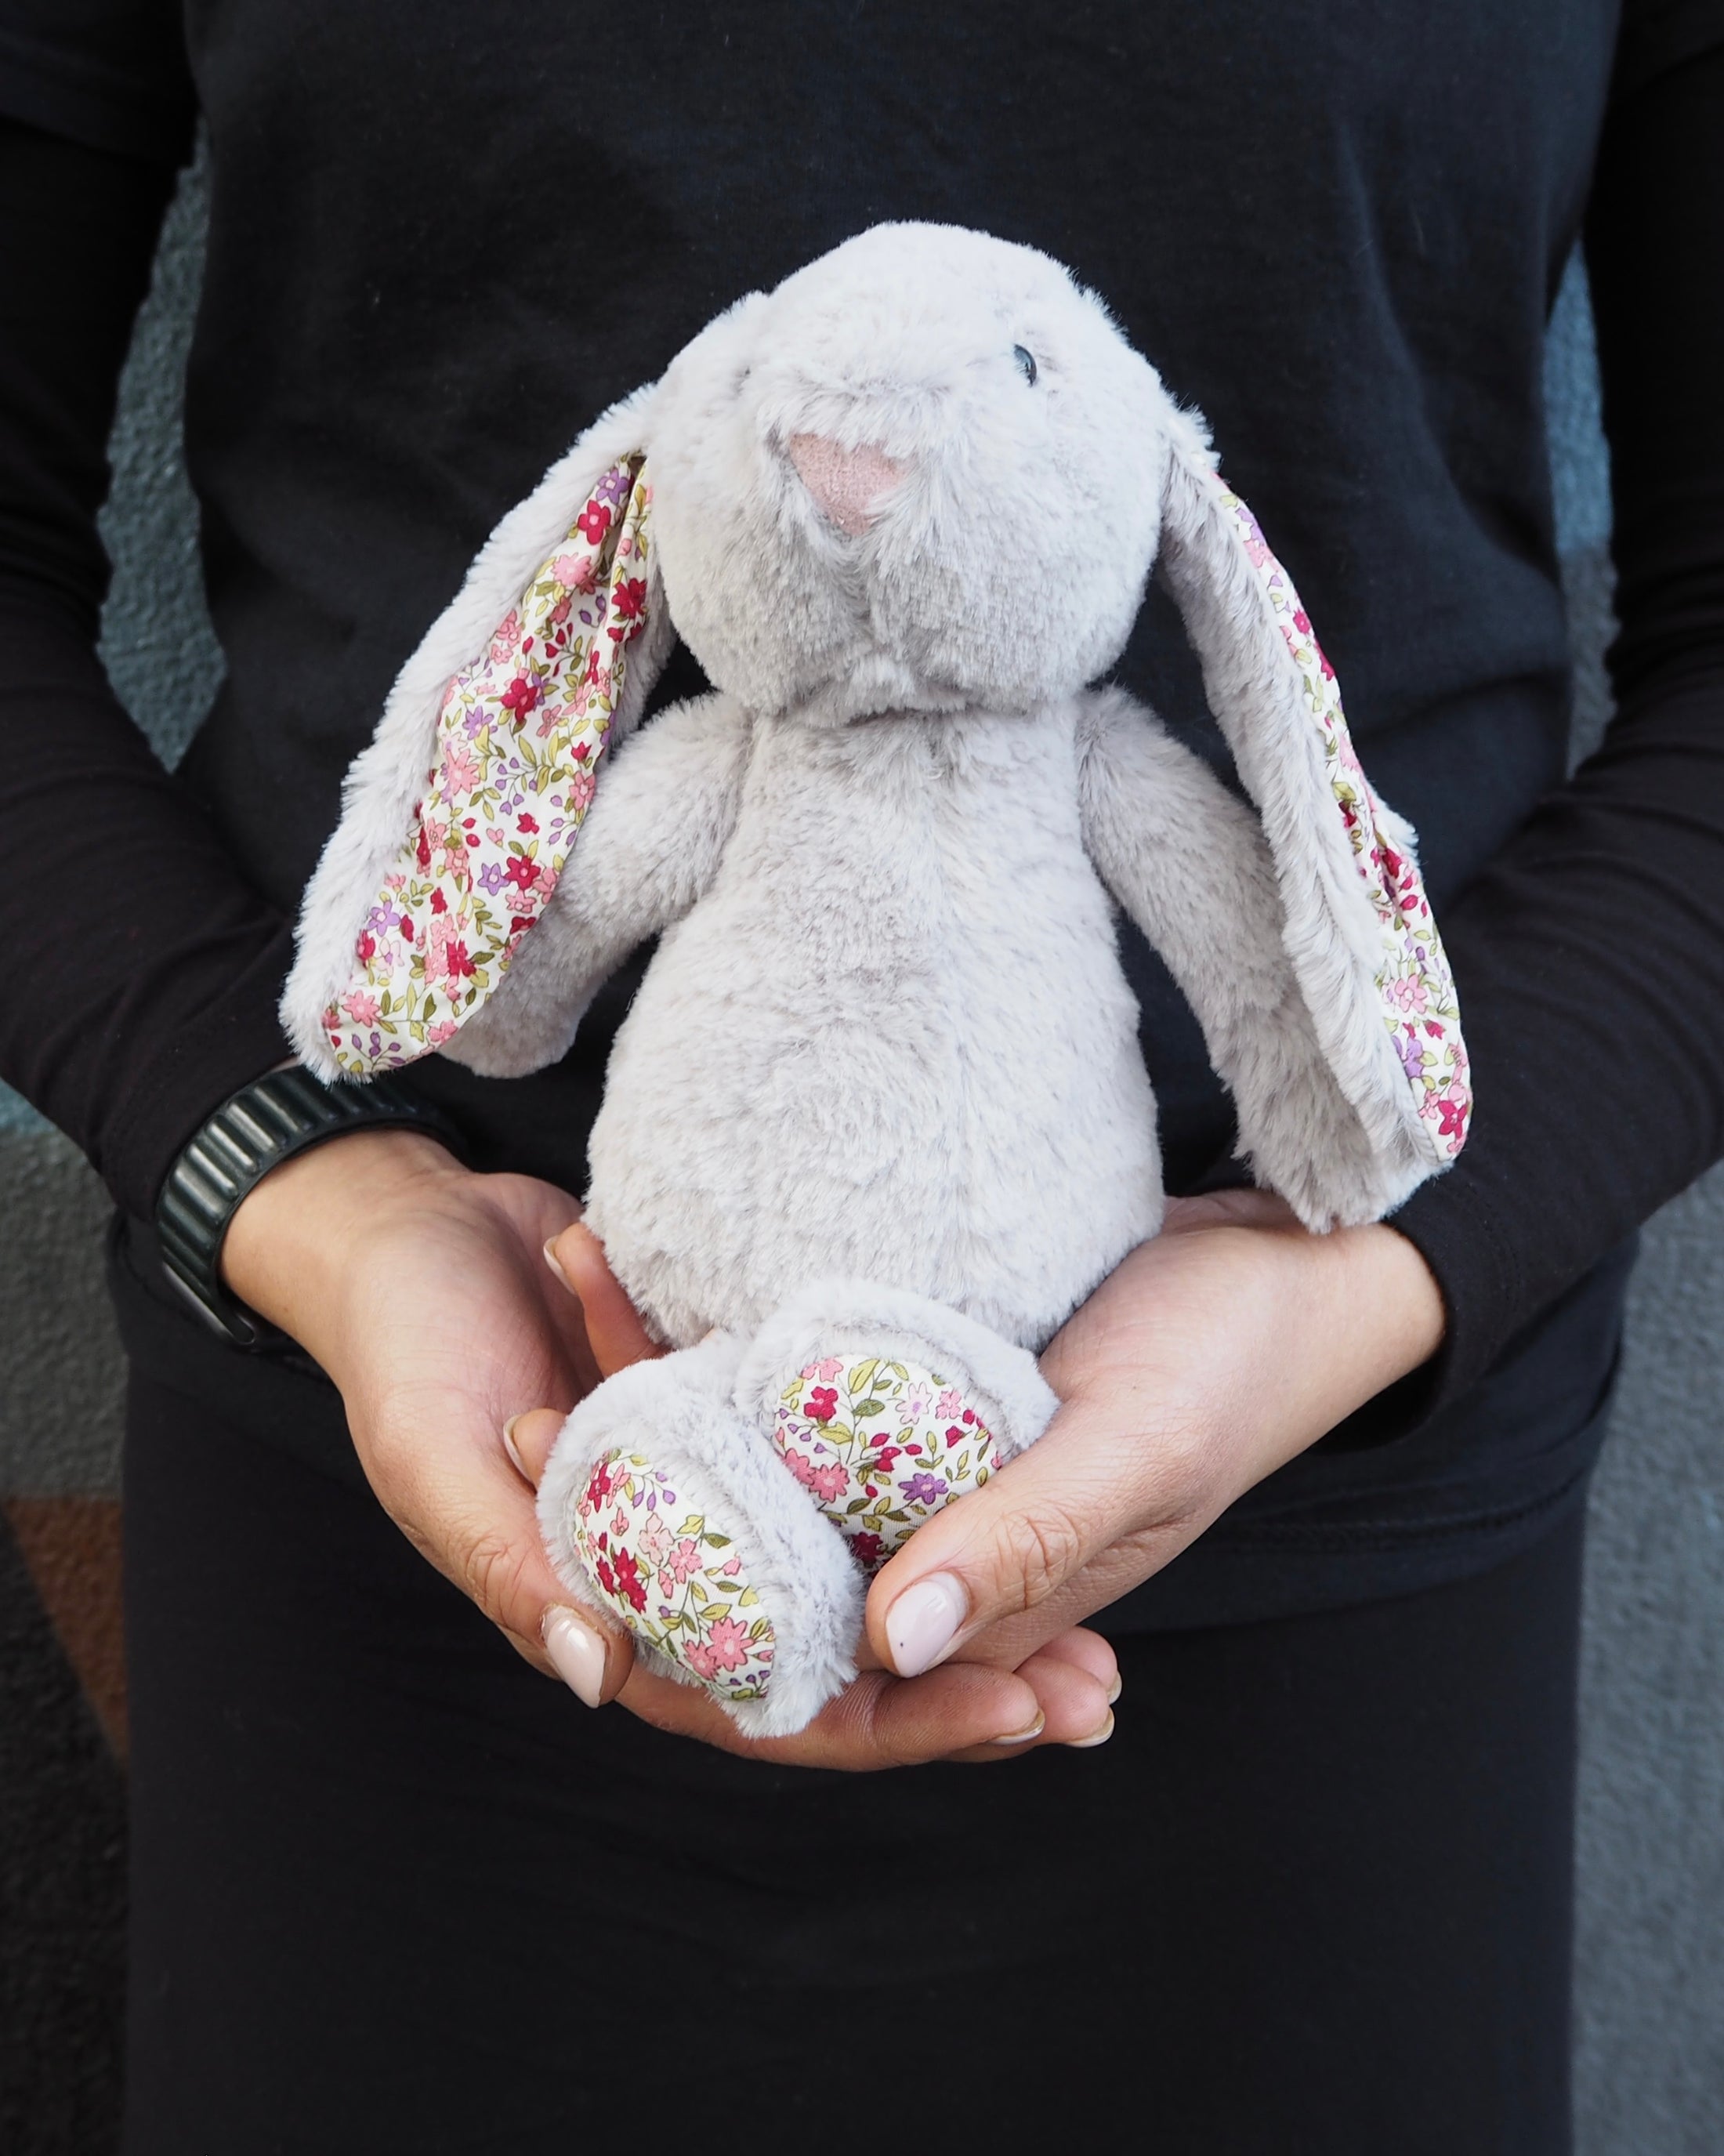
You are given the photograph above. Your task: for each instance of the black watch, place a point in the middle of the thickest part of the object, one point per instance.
(264, 1123)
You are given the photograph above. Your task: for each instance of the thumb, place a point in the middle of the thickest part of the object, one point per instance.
(593, 1658)
(614, 1332)
(1010, 1546)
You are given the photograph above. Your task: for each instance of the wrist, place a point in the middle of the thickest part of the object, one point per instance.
(1242, 1339)
(296, 1234)
(1392, 1299)
(275, 1119)
(1358, 1309)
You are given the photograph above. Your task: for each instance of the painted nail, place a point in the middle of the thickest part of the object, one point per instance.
(509, 1446)
(1023, 1736)
(551, 1259)
(922, 1624)
(1119, 1686)
(1089, 1744)
(577, 1653)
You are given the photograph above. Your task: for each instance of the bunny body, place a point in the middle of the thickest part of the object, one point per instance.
(918, 1057)
(879, 1118)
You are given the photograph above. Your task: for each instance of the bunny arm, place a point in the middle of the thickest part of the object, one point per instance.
(665, 808)
(1190, 864)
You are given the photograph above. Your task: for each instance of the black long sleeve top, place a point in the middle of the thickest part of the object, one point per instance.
(438, 245)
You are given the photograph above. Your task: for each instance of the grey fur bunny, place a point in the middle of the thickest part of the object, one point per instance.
(878, 1119)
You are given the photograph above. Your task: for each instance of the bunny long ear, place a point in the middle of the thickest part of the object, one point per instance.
(459, 818)
(1358, 926)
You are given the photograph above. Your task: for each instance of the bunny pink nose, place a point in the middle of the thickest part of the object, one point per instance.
(845, 483)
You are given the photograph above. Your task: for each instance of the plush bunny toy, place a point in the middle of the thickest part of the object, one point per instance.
(878, 1119)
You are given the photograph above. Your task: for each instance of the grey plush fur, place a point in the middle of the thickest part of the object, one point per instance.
(885, 1037)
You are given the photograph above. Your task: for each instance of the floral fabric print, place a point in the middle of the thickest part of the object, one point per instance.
(519, 740)
(1420, 1005)
(672, 1578)
(880, 1447)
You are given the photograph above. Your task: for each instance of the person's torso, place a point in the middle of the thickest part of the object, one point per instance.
(444, 237)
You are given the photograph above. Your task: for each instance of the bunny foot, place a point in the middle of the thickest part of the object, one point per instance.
(885, 1406)
(663, 1506)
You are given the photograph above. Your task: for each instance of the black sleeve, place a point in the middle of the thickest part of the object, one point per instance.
(109, 74)
(1590, 957)
(143, 969)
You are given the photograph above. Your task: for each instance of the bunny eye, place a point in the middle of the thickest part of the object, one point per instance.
(1026, 362)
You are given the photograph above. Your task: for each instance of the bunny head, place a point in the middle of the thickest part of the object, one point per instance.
(926, 474)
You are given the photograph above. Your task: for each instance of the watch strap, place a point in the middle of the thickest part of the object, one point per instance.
(285, 1112)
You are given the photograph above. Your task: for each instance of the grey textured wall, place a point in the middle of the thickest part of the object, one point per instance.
(1650, 1983)
(1650, 2069)
(59, 1361)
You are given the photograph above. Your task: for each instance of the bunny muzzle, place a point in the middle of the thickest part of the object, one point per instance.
(847, 486)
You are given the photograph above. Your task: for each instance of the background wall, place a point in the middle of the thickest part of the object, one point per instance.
(1650, 1982)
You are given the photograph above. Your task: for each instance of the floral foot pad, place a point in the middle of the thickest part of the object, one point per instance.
(880, 1446)
(672, 1574)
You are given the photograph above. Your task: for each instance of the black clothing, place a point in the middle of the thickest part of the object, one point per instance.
(395, 1894)
(441, 242)
(136, 985)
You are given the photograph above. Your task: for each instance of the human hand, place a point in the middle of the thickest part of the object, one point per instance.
(422, 1290)
(982, 1710)
(1214, 1354)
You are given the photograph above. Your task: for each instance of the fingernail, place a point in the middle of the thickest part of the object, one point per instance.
(578, 1652)
(1023, 1736)
(1119, 1686)
(922, 1624)
(509, 1446)
(551, 1260)
(1089, 1744)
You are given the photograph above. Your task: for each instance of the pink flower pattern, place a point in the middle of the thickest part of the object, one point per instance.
(875, 1455)
(511, 783)
(674, 1580)
(1420, 1005)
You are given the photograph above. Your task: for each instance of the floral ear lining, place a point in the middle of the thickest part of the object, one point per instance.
(1358, 925)
(520, 733)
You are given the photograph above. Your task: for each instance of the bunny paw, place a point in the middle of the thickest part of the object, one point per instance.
(663, 1508)
(885, 1407)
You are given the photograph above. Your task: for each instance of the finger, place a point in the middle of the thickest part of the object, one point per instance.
(614, 1331)
(877, 1721)
(486, 1541)
(465, 1508)
(1088, 1652)
(592, 1658)
(881, 1722)
(1046, 1631)
(1012, 1546)
(1074, 1704)
(527, 1439)
(1237, 1209)
(591, 1655)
